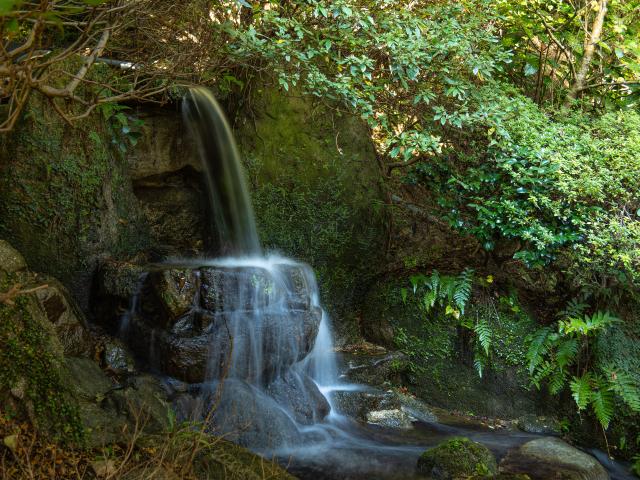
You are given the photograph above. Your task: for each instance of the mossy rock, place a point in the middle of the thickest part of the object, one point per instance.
(66, 198)
(231, 461)
(32, 374)
(457, 458)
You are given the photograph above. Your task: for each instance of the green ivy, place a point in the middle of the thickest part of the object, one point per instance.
(29, 363)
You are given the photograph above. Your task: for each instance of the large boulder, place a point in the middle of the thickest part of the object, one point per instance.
(54, 303)
(284, 285)
(550, 458)
(197, 323)
(66, 317)
(358, 403)
(457, 458)
(204, 348)
(249, 417)
(108, 409)
(299, 394)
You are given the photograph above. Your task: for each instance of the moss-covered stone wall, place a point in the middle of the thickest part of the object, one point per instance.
(316, 193)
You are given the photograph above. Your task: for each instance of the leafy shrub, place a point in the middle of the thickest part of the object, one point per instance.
(556, 191)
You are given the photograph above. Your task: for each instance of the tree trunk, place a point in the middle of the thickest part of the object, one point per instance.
(590, 46)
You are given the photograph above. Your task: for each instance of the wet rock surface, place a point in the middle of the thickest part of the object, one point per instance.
(116, 356)
(550, 458)
(176, 290)
(251, 418)
(249, 325)
(393, 418)
(540, 425)
(191, 320)
(298, 392)
(358, 403)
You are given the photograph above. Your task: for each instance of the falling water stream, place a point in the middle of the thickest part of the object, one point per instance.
(272, 371)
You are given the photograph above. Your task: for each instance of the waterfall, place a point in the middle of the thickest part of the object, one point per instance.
(270, 350)
(228, 194)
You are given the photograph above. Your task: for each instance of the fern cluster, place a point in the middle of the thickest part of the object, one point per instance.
(561, 355)
(452, 294)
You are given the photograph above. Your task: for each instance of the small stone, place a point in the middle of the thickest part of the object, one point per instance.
(11, 442)
(539, 425)
(395, 418)
(18, 389)
(10, 259)
(104, 468)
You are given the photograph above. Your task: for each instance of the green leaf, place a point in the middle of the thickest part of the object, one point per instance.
(581, 390)
(567, 352)
(483, 331)
(602, 403)
(628, 389)
(538, 346)
(462, 291)
(403, 294)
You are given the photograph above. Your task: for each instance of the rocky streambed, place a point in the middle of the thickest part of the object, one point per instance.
(386, 433)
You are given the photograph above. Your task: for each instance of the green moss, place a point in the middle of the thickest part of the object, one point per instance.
(32, 378)
(228, 460)
(457, 458)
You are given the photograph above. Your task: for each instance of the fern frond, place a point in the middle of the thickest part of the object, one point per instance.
(567, 352)
(574, 309)
(625, 386)
(447, 288)
(403, 295)
(416, 281)
(602, 402)
(543, 370)
(479, 362)
(483, 331)
(557, 380)
(581, 390)
(462, 291)
(599, 321)
(538, 346)
(434, 281)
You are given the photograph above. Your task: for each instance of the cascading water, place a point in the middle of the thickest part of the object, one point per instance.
(228, 195)
(269, 339)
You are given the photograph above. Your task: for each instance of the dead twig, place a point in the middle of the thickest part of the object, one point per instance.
(8, 297)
